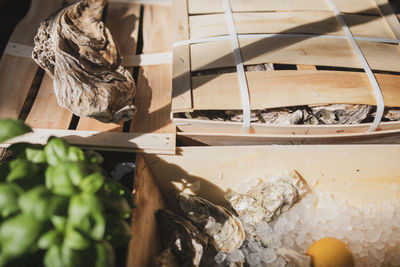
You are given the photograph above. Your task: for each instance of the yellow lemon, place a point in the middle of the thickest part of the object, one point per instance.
(330, 252)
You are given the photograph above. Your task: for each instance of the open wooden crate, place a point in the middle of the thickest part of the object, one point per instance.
(358, 174)
(321, 67)
(26, 92)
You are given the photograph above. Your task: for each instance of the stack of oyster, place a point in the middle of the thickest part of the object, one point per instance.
(208, 234)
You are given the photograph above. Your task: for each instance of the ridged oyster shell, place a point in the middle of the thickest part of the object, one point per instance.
(78, 52)
(265, 200)
(223, 228)
(177, 233)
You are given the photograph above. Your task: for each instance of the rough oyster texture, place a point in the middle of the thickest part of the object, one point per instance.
(341, 113)
(177, 233)
(78, 52)
(166, 259)
(223, 228)
(267, 199)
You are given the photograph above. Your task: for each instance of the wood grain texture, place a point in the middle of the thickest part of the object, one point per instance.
(16, 73)
(295, 50)
(45, 111)
(145, 243)
(270, 89)
(346, 6)
(304, 22)
(153, 96)
(181, 95)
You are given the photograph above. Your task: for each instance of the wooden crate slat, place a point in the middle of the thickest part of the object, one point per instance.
(145, 243)
(181, 57)
(213, 138)
(17, 73)
(390, 17)
(295, 50)
(270, 89)
(131, 142)
(346, 6)
(45, 111)
(307, 22)
(123, 21)
(153, 96)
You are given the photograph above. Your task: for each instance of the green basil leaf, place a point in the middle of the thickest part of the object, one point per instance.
(41, 203)
(35, 155)
(58, 179)
(76, 240)
(49, 239)
(10, 128)
(25, 173)
(118, 232)
(19, 149)
(86, 214)
(9, 194)
(115, 188)
(105, 256)
(117, 205)
(92, 183)
(93, 157)
(59, 222)
(75, 154)
(18, 235)
(4, 170)
(56, 151)
(54, 257)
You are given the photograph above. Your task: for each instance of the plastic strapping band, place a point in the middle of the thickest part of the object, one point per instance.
(380, 105)
(244, 91)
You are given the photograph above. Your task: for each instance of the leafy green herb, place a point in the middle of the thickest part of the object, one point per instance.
(12, 128)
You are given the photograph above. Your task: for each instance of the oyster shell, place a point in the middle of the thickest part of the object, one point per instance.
(78, 52)
(267, 199)
(223, 228)
(182, 237)
(341, 113)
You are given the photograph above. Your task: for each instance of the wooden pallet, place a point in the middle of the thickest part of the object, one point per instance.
(27, 93)
(310, 84)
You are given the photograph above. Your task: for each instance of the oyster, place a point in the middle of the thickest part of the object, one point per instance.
(182, 237)
(283, 116)
(341, 113)
(267, 199)
(78, 52)
(223, 228)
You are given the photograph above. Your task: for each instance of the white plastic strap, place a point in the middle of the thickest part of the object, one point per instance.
(147, 59)
(18, 50)
(380, 105)
(244, 91)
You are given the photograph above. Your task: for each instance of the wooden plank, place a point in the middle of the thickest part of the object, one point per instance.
(192, 126)
(305, 22)
(306, 67)
(145, 243)
(390, 17)
(346, 6)
(270, 89)
(153, 96)
(295, 50)
(45, 111)
(181, 94)
(240, 139)
(123, 22)
(17, 73)
(130, 142)
(373, 169)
